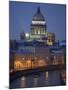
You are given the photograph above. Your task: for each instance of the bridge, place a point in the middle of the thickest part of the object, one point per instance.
(17, 74)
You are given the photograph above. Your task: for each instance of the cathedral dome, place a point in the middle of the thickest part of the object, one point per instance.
(38, 16)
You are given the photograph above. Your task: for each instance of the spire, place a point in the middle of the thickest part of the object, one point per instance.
(38, 10)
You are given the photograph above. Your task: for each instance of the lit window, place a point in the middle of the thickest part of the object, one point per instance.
(46, 57)
(38, 31)
(54, 57)
(23, 58)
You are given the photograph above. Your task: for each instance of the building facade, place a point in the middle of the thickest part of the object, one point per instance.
(34, 49)
(32, 54)
(38, 30)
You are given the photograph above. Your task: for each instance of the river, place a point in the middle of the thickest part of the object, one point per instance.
(50, 78)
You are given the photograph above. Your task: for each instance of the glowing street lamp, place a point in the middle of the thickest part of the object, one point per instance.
(27, 35)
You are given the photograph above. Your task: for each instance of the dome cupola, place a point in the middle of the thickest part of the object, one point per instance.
(38, 18)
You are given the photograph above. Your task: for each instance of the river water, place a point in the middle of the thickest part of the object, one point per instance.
(50, 78)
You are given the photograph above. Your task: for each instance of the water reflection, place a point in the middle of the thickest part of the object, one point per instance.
(46, 75)
(49, 78)
(46, 78)
(35, 80)
(23, 81)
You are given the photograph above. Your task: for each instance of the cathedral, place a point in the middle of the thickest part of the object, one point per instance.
(38, 30)
(36, 48)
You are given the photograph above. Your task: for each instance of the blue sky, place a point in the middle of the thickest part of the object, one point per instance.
(21, 14)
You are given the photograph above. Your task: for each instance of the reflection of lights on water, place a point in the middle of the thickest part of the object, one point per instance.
(23, 78)
(46, 75)
(23, 81)
(46, 78)
(35, 80)
(63, 75)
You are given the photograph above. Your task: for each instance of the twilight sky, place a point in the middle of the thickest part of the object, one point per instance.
(21, 14)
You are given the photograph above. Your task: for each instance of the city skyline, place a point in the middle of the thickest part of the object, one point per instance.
(37, 45)
(21, 13)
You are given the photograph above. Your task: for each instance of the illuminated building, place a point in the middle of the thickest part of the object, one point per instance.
(38, 30)
(33, 54)
(30, 55)
(58, 56)
(50, 38)
(38, 26)
(34, 49)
